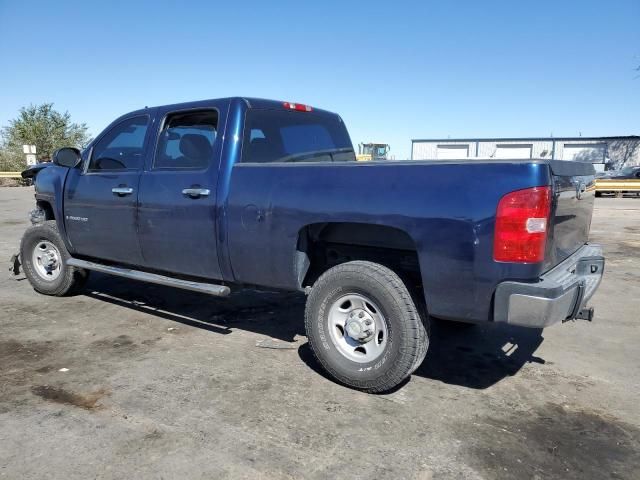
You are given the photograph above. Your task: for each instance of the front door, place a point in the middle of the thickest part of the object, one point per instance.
(177, 201)
(100, 201)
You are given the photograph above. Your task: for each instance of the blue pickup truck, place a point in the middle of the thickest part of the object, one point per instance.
(219, 194)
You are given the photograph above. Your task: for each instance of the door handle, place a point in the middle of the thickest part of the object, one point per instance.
(122, 190)
(196, 192)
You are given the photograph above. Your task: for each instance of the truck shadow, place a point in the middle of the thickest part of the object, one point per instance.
(478, 356)
(278, 315)
(470, 356)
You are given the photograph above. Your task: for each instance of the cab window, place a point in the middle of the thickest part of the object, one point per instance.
(295, 137)
(122, 147)
(186, 140)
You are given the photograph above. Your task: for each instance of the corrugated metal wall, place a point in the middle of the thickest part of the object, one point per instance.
(539, 149)
(615, 149)
(429, 150)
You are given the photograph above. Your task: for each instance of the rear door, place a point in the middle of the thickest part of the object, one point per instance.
(574, 195)
(177, 202)
(100, 201)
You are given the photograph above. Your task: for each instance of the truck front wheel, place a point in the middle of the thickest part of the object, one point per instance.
(364, 328)
(44, 260)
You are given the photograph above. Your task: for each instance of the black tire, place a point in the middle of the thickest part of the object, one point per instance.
(69, 280)
(408, 335)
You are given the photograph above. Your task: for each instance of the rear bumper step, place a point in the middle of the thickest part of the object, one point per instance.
(208, 288)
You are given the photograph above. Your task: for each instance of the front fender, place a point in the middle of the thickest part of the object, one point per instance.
(49, 183)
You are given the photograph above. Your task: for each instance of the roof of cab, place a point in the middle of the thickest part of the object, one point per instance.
(253, 103)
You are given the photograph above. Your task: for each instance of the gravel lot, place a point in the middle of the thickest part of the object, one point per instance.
(130, 380)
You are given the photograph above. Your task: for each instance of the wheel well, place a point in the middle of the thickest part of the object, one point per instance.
(48, 210)
(325, 245)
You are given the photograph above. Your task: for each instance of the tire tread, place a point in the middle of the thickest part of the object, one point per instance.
(416, 325)
(73, 278)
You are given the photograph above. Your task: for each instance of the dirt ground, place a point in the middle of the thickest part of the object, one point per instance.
(129, 380)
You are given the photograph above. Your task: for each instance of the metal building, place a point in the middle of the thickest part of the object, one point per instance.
(604, 152)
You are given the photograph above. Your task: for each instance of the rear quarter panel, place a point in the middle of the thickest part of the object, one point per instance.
(448, 209)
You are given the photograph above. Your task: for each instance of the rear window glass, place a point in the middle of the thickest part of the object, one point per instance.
(283, 136)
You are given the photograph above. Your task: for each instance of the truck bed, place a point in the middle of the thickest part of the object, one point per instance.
(447, 208)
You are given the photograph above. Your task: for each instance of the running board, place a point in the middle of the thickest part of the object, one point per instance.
(209, 288)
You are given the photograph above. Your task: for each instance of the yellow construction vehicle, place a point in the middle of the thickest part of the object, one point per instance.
(372, 151)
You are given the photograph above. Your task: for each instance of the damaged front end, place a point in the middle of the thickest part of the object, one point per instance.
(33, 170)
(15, 264)
(36, 216)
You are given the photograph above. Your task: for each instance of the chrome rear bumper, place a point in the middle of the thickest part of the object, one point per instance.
(560, 294)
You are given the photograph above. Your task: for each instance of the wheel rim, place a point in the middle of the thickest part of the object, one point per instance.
(357, 328)
(47, 260)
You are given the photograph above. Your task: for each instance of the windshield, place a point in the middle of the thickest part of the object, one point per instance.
(284, 136)
(382, 150)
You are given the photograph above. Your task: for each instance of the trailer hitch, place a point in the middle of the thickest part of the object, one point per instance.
(585, 314)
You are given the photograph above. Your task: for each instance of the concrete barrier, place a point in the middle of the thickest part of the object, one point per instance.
(614, 185)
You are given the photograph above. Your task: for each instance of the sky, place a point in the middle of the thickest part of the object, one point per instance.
(393, 70)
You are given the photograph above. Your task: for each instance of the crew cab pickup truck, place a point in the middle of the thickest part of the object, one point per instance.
(219, 194)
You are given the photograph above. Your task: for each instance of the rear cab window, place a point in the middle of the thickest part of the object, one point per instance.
(273, 136)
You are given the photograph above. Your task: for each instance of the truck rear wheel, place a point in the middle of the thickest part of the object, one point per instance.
(364, 328)
(44, 260)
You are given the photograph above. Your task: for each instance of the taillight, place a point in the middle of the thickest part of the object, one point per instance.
(521, 225)
(297, 106)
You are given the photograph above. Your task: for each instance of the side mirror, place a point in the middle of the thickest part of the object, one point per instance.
(67, 157)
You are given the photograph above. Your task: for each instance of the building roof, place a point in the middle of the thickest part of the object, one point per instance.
(526, 139)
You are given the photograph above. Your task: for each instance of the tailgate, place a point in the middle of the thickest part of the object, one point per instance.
(574, 195)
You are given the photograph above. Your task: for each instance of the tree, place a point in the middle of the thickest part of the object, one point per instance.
(44, 127)
(623, 151)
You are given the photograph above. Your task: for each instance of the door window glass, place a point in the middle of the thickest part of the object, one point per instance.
(122, 147)
(187, 139)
